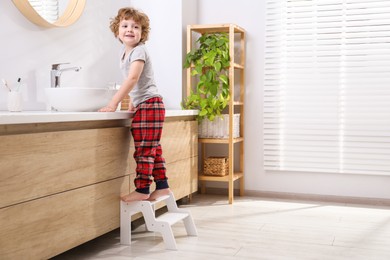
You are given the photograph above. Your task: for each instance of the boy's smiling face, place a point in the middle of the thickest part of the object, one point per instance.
(130, 32)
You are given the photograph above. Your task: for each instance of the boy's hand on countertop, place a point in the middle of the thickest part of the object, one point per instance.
(107, 109)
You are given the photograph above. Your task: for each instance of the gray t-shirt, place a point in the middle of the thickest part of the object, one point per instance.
(146, 87)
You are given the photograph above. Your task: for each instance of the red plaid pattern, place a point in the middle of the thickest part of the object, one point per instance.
(146, 129)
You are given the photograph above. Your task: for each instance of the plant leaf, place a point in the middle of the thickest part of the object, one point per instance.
(224, 79)
(218, 66)
(203, 112)
(213, 89)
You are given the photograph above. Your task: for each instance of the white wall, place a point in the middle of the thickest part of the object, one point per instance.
(250, 14)
(190, 16)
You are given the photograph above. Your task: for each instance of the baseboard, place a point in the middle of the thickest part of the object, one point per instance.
(304, 197)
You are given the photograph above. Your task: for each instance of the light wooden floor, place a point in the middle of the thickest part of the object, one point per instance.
(255, 228)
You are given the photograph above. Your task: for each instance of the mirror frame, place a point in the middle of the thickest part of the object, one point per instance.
(71, 14)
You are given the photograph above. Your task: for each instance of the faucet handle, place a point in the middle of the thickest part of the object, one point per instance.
(56, 66)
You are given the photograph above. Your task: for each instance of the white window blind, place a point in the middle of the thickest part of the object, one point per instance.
(327, 86)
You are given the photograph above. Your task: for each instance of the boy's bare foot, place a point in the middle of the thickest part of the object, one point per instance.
(134, 196)
(159, 193)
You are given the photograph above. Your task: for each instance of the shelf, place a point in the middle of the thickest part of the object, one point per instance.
(235, 65)
(216, 28)
(237, 37)
(236, 176)
(219, 140)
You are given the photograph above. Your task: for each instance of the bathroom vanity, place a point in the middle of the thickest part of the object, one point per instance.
(62, 174)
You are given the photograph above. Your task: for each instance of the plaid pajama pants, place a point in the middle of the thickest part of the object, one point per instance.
(146, 129)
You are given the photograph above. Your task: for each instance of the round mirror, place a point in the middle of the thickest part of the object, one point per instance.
(51, 13)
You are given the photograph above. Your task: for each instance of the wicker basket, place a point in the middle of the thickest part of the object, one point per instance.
(216, 166)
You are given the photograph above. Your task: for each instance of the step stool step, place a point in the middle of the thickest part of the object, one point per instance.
(162, 198)
(172, 217)
(137, 206)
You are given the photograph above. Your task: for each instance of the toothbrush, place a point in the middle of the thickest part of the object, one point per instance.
(18, 85)
(6, 85)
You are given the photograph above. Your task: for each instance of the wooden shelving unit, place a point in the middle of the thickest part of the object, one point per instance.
(236, 105)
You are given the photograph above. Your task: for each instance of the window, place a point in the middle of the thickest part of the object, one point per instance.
(327, 86)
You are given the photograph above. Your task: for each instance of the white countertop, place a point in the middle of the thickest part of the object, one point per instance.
(28, 117)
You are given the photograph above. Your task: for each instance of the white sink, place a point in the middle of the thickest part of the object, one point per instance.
(78, 99)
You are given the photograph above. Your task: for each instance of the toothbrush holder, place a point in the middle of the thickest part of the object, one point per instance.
(15, 101)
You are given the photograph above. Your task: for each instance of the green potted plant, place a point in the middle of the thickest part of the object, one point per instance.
(210, 62)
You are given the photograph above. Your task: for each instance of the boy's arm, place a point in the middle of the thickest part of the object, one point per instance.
(128, 84)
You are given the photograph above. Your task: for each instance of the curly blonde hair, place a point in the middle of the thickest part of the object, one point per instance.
(138, 17)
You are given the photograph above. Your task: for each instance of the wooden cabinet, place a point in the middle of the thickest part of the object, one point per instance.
(60, 183)
(236, 103)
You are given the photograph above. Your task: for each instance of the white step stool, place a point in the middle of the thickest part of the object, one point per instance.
(160, 224)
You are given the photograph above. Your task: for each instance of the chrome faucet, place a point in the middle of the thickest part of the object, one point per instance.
(56, 72)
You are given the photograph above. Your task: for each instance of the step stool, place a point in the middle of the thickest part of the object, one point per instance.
(160, 224)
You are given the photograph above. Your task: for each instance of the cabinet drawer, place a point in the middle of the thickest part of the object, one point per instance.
(48, 226)
(41, 164)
